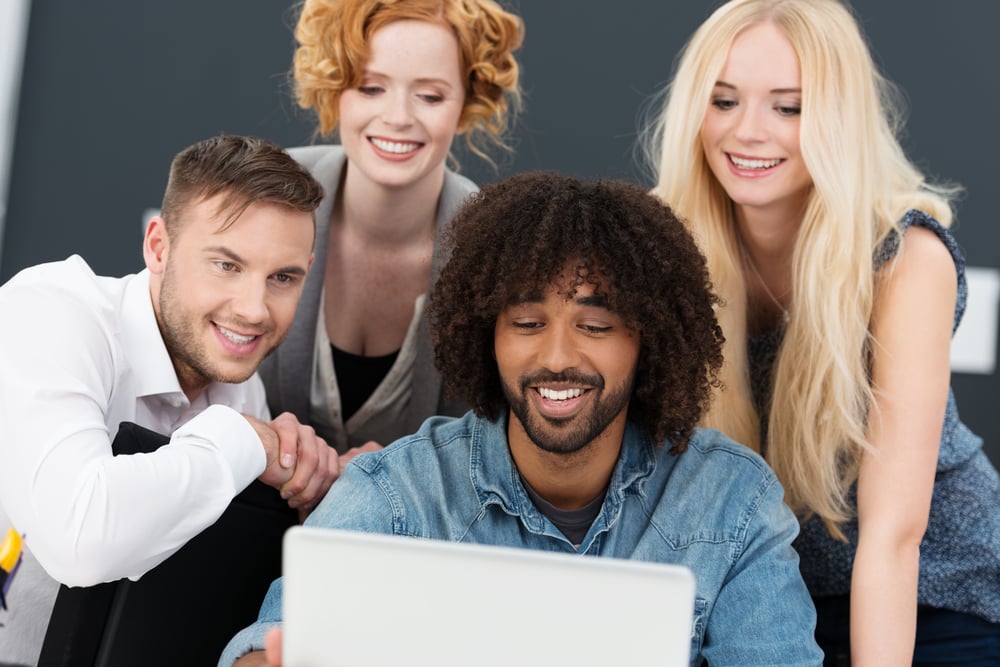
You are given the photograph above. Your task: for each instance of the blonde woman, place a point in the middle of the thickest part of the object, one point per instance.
(842, 286)
(396, 83)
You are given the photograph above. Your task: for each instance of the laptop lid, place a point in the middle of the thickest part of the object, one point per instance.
(368, 600)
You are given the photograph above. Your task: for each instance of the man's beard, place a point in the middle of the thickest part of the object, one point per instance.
(193, 363)
(571, 434)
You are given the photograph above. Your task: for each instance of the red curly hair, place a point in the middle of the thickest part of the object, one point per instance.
(333, 38)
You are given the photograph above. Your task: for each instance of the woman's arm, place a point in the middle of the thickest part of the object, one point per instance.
(912, 325)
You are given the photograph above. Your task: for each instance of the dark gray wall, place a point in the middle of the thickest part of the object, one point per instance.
(113, 88)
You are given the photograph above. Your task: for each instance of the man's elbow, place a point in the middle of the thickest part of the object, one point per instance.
(74, 564)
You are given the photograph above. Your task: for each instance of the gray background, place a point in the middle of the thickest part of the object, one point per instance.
(113, 89)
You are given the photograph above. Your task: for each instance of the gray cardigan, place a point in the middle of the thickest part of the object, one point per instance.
(287, 372)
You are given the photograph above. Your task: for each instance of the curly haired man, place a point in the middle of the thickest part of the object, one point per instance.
(578, 320)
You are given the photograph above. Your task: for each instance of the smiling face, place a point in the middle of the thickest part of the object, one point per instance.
(750, 133)
(567, 366)
(397, 126)
(225, 298)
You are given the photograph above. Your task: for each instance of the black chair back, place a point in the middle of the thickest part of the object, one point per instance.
(185, 610)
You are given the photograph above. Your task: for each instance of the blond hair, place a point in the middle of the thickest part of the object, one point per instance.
(862, 185)
(333, 44)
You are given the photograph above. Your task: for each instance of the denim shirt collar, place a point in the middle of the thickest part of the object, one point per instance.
(496, 479)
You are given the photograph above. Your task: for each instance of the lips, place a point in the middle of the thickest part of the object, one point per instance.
(236, 342)
(753, 164)
(236, 338)
(397, 148)
(559, 395)
(560, 403)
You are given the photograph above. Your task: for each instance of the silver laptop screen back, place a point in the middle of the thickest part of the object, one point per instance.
(362, 600)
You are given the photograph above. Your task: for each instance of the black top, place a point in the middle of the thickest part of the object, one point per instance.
(358, 377)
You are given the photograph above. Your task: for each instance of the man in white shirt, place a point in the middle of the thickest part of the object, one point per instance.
(173, 348)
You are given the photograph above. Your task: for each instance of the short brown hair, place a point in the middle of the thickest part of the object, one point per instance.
(246, 169)
(515, 237)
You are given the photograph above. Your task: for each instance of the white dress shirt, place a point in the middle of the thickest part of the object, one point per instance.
(79, 354)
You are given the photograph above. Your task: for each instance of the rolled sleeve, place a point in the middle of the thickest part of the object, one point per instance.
(252, 638)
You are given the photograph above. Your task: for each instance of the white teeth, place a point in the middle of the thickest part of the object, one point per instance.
(753, 164)
(554, 395)
(235, 337)
(394, 146)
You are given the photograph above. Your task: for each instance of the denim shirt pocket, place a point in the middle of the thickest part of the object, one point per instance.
(698, 625)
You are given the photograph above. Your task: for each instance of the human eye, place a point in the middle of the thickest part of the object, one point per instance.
(788, 108)
(431, 98)
(596, 329)
(285, 279)
(227, 266)
(526, 325)
(369, 90)
(723, 103)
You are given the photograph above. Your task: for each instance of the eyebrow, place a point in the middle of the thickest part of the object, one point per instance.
(780, 91)
(521, 299)
(421, 81)
(592, 300)
(223, 250)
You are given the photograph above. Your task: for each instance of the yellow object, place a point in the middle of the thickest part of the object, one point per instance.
(10, 550)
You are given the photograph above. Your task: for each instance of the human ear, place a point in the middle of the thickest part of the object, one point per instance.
(156, 245)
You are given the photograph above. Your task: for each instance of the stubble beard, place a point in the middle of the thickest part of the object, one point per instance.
(191, 360)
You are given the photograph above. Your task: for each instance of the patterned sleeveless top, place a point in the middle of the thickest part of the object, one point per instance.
(960, 552)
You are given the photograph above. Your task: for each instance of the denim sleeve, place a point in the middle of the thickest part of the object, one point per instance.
(252, 638)
(362, 499)
(763, 614)
(356, 501)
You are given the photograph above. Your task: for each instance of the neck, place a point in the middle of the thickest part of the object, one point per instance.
(389, 216)
(193, 384)
(768, 234)
(767, 244)
(567, 481)
(767, 237)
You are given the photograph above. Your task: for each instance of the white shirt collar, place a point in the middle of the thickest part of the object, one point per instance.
(143, 344)
(147, 354)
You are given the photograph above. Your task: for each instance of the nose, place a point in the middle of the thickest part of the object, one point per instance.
(396, 111)
(557, 350)
(750, 126)
(249, 301)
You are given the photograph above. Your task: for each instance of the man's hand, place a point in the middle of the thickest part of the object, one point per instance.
(299, 463)
(272, 647)
(370, 446)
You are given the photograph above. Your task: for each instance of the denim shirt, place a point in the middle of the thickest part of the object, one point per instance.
(717, 509)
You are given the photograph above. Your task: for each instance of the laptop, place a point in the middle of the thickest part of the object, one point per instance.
(363, 600)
